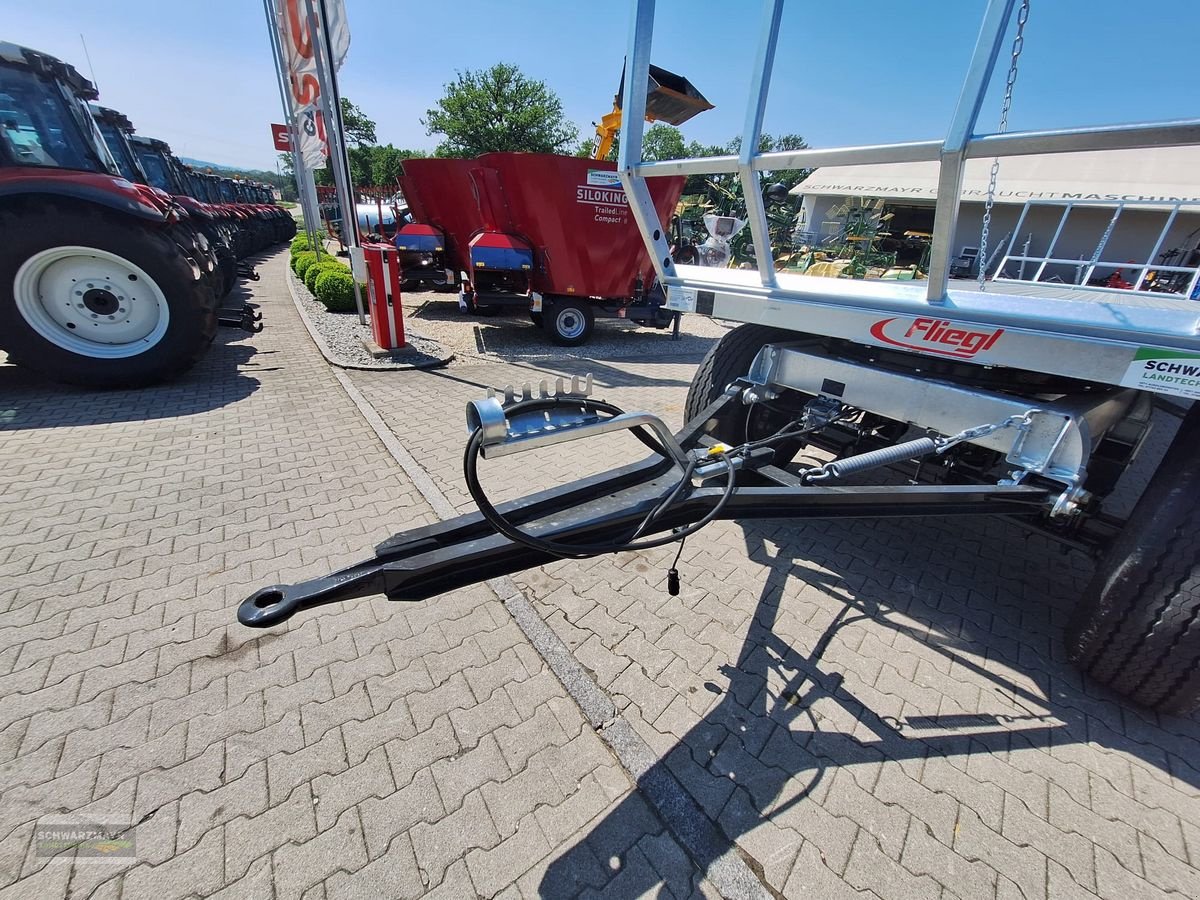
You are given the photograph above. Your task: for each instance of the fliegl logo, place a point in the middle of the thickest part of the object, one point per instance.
(930, 335)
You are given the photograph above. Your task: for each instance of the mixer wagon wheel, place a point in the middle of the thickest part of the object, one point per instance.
(568, 321)
(1137, 627)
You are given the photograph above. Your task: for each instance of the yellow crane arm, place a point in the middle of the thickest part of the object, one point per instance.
(609, 125)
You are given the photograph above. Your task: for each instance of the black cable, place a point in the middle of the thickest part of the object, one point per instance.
(584, 551)
(678, 553)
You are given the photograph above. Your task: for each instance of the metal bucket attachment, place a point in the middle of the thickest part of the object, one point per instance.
(670, 98)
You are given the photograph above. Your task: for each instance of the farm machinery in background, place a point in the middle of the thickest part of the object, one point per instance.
(549, 234)
(381, 210)
(116, 263)
(710, 230)
(101, 281)
(862, 248)
(670, 98)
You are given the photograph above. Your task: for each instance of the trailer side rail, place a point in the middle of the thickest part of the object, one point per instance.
(786, 300)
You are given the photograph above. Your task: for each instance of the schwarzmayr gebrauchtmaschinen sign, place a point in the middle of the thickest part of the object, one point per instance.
(85, 841)
(1174, 372)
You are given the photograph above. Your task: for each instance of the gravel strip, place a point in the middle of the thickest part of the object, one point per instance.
(344, 336)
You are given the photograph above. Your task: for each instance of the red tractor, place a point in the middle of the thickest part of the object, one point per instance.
(195, 228)
(95, 286)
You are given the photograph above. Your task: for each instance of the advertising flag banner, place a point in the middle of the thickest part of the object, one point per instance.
(301, 75)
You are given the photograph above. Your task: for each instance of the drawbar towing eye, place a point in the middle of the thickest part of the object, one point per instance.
(659, 500)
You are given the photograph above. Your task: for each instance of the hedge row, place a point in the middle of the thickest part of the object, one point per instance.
(329, 280)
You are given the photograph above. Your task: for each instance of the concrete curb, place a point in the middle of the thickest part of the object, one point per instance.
(725, 869)
(328, 353)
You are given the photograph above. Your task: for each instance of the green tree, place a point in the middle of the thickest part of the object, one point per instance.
(386, 162)
(358, 128)
(498, 109)
(661, 141)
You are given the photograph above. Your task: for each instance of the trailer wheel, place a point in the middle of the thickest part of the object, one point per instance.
(92, 299)
(1137, 627)
(728, 360)
(569, 322)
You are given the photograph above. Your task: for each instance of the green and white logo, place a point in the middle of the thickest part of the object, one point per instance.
(1174, 372)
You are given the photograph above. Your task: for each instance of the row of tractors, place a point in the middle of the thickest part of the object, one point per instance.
(117, 261)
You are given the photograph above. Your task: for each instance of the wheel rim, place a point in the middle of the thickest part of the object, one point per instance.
(570, 323)
(91, 302)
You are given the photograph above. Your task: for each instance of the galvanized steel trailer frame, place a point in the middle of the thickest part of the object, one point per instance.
(1046, 439)
(1082, 334)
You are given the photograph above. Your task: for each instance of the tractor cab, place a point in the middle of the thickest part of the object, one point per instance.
(44, 118)
(115, 128)
(103, 282)
(155, 158)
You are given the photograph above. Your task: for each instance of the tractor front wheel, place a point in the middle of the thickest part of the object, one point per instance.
(94, 299)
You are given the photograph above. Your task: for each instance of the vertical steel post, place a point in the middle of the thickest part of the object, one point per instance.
(633, 122)
(954, 149)
(1062, 223)
(1162, 236)
(760, 86)
(1098, 252)
(318, 33)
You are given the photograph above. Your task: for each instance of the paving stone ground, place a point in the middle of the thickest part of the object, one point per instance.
(871, 708)
(365, 750)
(863, 708)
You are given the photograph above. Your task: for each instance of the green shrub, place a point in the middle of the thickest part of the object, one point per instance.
(302, 261)
(300, 242)
(335, 289)
(325, 265)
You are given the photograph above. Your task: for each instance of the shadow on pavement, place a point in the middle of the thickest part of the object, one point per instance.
(788, 718)
(27, 400)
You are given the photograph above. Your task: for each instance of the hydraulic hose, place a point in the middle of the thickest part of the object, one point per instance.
(585, 551)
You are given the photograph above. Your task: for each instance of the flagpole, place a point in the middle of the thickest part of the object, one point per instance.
(311, 214)
(338, 160)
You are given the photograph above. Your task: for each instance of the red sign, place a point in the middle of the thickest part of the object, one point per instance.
(283, 140)
(935, 336)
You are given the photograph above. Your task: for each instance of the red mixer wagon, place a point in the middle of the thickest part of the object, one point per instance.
(552, 234)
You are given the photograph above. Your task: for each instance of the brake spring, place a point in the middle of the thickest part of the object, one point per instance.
(873, 459)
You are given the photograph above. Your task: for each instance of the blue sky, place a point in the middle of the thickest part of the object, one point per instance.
(200, 77)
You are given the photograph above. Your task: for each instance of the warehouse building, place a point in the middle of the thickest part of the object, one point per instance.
(1140, 207)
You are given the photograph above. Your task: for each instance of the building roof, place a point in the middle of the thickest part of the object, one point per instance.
(1161, 174)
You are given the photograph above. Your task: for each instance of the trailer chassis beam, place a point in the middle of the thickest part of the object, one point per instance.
(424, 562)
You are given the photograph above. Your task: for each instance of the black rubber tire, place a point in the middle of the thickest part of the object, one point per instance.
(728, 360)
(563, 307)
(30, 229)
(1137, 627)
(538, 319)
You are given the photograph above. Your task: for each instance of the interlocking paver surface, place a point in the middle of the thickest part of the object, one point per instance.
(874, 708)
(863, 708)
(364, 750)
